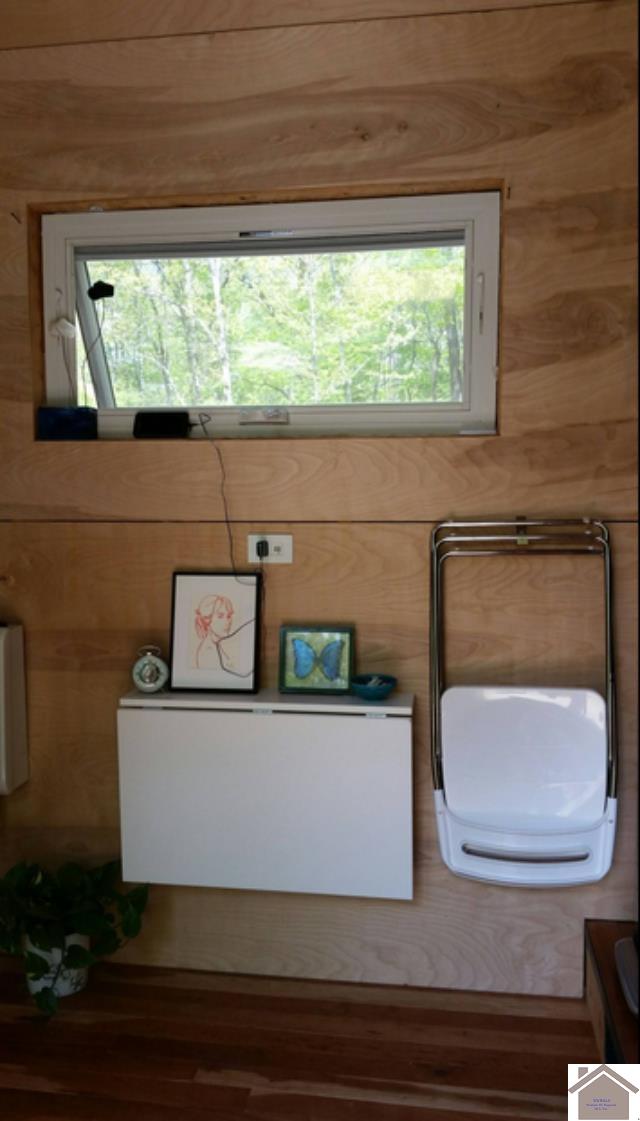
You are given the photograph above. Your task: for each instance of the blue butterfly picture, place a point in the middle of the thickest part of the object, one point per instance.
(305, 658)
(316, 659)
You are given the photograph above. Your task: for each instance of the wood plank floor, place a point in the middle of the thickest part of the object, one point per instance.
(162, 1045)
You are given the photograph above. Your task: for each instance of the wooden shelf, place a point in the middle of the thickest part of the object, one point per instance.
(270, 700)
(614, 1025)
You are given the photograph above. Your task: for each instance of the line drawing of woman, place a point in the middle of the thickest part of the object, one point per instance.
(213, 623)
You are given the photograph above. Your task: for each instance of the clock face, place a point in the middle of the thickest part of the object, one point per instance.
(150, 673)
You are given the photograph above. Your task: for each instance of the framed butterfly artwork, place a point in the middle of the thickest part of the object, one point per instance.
(316, 659)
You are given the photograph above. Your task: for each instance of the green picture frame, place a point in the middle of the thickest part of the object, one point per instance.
(316, 658)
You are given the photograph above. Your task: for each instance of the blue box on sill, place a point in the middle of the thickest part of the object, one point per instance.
(80, 423)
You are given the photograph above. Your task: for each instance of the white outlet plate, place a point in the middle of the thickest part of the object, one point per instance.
(280, 548)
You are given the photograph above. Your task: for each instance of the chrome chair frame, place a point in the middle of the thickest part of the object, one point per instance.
(517, 537)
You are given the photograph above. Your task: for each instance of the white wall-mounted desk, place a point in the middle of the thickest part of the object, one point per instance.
(271, 792)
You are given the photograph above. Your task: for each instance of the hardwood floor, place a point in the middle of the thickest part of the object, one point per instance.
(162, 1045)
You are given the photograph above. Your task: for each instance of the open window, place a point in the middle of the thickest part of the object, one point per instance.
(366, 316)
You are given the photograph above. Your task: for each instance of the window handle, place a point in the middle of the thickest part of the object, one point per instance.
(272, 414)
(480, 289)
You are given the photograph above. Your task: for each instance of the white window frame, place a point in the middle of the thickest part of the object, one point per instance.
(476, 215)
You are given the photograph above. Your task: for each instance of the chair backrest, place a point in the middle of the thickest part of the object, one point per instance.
(524, 759)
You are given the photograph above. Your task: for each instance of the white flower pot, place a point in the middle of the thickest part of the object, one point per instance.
(67, 981)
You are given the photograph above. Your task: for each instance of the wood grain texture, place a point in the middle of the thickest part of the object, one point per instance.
(46, 22)
(490, 94)
(90, 594)
(587, 468)
(498, 613)
(539, 102)
(156, 1043)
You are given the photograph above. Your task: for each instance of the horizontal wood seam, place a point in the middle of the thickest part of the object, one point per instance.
(252, 522)
(480, 10)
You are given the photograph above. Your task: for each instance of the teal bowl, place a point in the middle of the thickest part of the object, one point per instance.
(373, 686)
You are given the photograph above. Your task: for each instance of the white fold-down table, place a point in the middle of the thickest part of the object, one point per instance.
(270, 792)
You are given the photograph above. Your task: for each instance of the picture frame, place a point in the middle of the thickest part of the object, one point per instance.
(215, 632)
(316, 658)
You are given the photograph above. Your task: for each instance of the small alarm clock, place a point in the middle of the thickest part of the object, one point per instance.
(150, 673)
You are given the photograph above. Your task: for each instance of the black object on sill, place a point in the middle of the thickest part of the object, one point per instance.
(161, 425)
(80, 423)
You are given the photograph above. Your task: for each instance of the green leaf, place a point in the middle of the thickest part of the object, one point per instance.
(10, 942)
(47, 1001)
(138, 897)
(106, 877)
(131, 923)
(77, 957)
(18, 876)
(73, 881)
(46, 936)
(87, 922)
(106, 944)
(120, 902)
(36, 966)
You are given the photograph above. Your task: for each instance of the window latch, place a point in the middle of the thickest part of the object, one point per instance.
(270, 415)
(480, 288)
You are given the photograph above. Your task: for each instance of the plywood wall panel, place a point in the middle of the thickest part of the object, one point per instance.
(40, 22)
(499, 611)
(507, 97)
(585, 469)
(360, 102)
(539, 102)
(90, 594)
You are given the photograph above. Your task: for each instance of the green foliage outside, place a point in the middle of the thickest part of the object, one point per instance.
(375, 326)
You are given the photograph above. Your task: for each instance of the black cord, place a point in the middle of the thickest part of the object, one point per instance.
(86, 365)
(203, 420)
(263, 629)
(98, 336)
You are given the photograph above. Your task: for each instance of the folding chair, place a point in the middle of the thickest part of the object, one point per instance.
(524, 776)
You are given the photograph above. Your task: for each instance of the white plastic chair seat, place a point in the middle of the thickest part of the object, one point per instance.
(524, 797)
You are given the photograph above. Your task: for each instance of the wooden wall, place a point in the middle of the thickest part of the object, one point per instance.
(537, 100)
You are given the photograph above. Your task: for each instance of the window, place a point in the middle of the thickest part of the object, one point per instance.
(361, 316)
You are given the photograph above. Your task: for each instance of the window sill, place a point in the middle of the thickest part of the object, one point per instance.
(312, 422)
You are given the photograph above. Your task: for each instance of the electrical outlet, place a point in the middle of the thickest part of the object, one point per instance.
(280, 548)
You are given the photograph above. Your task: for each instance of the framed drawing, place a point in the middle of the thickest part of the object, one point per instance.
(215, 631)
(316, 659)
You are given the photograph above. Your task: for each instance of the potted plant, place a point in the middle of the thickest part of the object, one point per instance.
(61, 922)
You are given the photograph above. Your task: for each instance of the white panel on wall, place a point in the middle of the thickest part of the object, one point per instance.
(268, 800)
